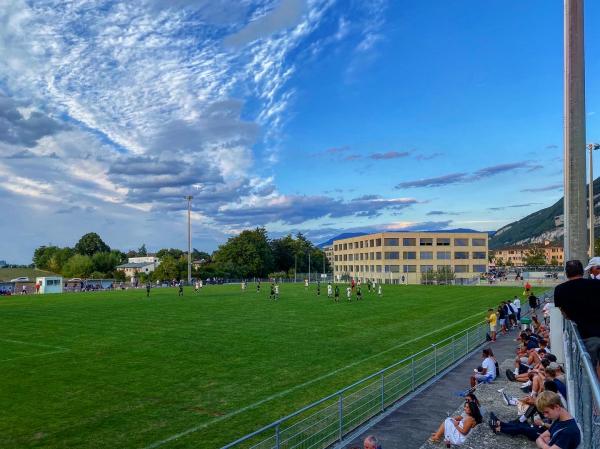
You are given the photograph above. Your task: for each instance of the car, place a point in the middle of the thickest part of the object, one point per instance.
(20, 279)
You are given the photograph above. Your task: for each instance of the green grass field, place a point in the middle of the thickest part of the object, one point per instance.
(116, 370)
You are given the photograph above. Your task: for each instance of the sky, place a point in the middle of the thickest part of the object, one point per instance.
(318, 116)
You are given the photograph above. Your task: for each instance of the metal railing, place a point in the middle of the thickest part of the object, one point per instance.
(584, 387)
(329, 419)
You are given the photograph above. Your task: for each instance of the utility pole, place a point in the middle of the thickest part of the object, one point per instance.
(309, 266)
(189, 200)
(575, 239)
(295, 267)
(591, 147)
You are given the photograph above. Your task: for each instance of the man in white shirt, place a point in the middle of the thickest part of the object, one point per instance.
(517, 303)
(486, 372)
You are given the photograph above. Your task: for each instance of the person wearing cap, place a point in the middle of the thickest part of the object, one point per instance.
(593, 267)
(577, 299)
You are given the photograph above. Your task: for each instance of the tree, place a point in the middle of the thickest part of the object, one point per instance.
(535, 257)
(200, 255)
(173, 252)
(79, 266)
(500, 262)
(142, 251)
(444, 275)
(51, 258)
(554, 261)
(246, 255)
(166, 270)
(90, 244)
(105, 262)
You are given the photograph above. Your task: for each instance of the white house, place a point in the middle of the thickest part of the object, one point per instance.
(135, 265)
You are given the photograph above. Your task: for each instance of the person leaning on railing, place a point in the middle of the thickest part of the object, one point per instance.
(578, 300)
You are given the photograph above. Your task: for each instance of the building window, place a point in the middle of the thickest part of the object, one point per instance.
(443, 242)
(350, 256)
(446, 268)
(426, 268)
(350, 245)
(392, 268)
(461, 242)
(478, 242)
(391, 242)
(377, 242)
(372, 243)
(461, 268)
(361, 243)
(335, 258)
(408, 255)
(335, 247)
(426, 255)
(426, 242)
(378, 267)
(461, 255)
(479, 268)
(409, 268)
(391, 255)
(479, 255)
(345, 246)
(444, 255)
(409, 242)
(377, 256)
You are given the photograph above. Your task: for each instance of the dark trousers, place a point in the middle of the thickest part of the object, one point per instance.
(521, 428)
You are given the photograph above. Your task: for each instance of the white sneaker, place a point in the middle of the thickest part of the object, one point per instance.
(526, 384)
(513, 401)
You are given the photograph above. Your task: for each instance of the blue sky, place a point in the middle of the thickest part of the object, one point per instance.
(316, 116)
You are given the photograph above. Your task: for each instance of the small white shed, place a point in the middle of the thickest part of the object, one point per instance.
(50, 284)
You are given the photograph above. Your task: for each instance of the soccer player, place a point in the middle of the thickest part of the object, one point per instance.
(305, 284)
(349, 293)
(148, 289)
(180, 289)
(336, 295)
(369, 285)
(358, 293)
(329, 290)
(243, 286)
(196, 286)
(258, 287)
(379, 292)
(272, 294)
(318, 288)
(276, 292)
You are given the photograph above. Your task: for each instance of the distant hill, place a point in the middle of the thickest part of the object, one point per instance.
(6, 274)
(345, 235)
(541, 225)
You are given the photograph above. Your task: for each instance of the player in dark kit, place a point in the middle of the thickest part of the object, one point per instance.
(319, 288)
(258, 287)
(272, 294)
(147, 289)
(180, 288)
(336, 294)
(358, 293)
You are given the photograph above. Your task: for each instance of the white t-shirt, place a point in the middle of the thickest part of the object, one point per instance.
(490, 367)
(517, 303)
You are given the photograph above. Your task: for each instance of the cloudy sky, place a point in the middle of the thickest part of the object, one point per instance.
(312, 115)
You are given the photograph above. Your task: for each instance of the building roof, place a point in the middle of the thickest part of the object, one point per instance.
(135, 265)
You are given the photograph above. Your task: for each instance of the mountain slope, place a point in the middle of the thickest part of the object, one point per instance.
(540, 225)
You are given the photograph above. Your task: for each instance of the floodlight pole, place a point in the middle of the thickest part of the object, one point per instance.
(591, 147)
(189, 200)
(309, 266)
(295, 267)
(574, 132)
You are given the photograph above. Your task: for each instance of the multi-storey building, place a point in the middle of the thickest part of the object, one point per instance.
(328, 250)
(410, 257)
(516, 255)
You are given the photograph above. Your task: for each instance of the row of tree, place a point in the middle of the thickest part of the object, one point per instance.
(249, 254)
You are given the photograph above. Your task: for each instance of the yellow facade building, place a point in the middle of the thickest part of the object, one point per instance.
(410, 257)
(516, 255)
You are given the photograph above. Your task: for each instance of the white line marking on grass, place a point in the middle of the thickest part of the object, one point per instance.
(33, 344)
(302, 385)
(60, 351)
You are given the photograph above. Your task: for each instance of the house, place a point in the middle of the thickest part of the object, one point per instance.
(135, 265)
(49, 284)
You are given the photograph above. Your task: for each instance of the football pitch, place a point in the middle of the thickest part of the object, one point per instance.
(118, 370)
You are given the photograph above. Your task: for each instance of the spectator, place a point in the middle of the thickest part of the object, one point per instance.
(517, 303)
(455, 430)
(593, 267)
(533, 301)
(371, 442)
(486, 372)
(577, 298)
(564, 432)
(492, 319)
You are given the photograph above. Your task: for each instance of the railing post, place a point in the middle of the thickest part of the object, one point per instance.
(467, 341)
(277, 436)
(341, 416)
(434, 359)
(412, 373)
(382, 391)
(453, 349)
